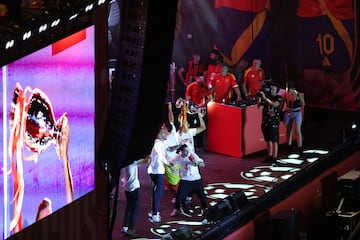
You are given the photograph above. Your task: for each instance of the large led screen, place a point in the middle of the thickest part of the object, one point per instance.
(47, 129)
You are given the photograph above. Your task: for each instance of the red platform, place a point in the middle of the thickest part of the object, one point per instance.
(236, 131)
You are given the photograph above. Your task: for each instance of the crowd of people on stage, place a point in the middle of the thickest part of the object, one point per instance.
(214, 82)
(174, 162)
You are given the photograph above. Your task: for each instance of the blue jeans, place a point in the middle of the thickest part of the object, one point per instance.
(157, 181)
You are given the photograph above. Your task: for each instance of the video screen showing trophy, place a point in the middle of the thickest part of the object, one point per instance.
(48, 130)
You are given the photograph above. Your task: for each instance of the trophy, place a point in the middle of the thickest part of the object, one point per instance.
(33, 125)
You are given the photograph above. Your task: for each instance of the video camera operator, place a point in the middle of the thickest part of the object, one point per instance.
(270, 104)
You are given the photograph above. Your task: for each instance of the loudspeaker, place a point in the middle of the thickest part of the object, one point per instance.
(347, 223)
(238, 199)
(183, 233)
(261, 225)
(285, 225)
(137, 91)
(219, 211)
(329, 192)
(157, 53)
(228, 206)
(349, 190)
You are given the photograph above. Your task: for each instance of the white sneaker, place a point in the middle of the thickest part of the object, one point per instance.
(150, 214)
(124, 229)
(205, 221)
(155, 218)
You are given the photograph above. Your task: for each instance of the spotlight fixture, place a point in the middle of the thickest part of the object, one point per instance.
(55, 22)
(9, 44)
(100, 2)
(351, 132)
(26, 35)
(43, 28)
(72, 17)
(7, 39)
(89, 7)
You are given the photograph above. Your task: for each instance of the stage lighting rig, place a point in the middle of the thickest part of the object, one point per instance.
(27, 28)
(7, 38)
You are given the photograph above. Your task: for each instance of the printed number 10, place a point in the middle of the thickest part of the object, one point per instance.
(326, 43)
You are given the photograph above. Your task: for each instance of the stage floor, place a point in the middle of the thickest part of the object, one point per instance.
(224, 175)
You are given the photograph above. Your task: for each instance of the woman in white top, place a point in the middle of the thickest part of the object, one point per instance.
(156, 170)
(190, 179)
(131, 184)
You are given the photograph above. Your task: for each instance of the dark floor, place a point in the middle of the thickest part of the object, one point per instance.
(223, 175)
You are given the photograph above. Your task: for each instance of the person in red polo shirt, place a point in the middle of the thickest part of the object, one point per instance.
(253, 78)
(223, 84)
(194, 66)
(215, 60)
(198, 92)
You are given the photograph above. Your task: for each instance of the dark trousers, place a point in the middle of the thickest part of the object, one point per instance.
(157, 181)
(132, 208)
(187, 188)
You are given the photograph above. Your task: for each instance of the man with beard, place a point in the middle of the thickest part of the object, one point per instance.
(213, 67)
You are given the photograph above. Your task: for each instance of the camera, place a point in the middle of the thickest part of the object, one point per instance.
(265, 89)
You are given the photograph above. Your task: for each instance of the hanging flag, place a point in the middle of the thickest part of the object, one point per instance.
(241, 29)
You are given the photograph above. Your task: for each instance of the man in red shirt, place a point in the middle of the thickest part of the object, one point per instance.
(198, 92)
(213, 66)
(223, 84)
(253, 78)
(194, 66)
